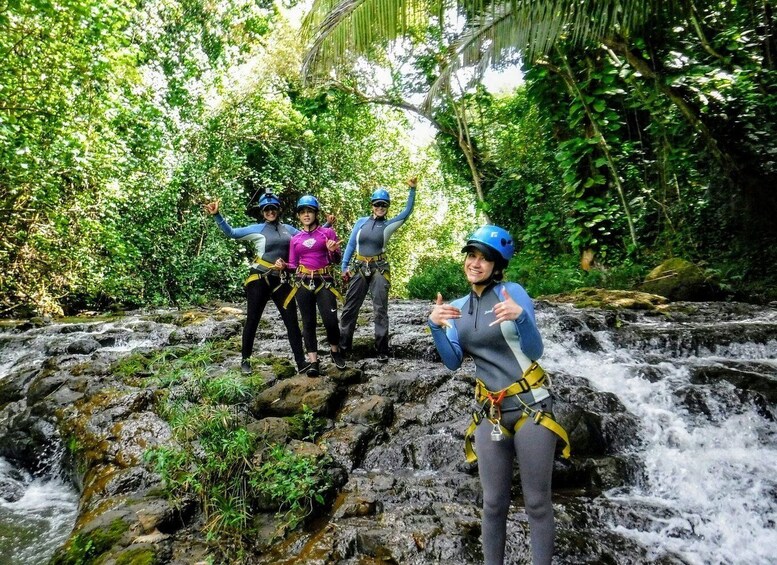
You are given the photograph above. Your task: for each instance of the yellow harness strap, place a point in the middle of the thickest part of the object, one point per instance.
(533, 377)
(310, 273)
(292, 292)
(371, 259)
(256, 276)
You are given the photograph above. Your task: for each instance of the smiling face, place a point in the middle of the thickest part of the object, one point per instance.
(477, 268)
(379, 208)
(307, 216)
(270, 213)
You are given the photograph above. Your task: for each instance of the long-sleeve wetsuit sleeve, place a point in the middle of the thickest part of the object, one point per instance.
(351, 247)
(526, 325)
(396, 222)
(447, 343)
(229, 231)
(292, 263)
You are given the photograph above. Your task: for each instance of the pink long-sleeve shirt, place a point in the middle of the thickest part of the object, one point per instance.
(309, 249)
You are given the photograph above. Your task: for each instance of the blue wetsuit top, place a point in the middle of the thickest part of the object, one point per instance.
(501, 352)
(370, 235)
(269, 241)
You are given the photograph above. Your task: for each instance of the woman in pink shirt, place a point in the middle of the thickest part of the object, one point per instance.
(311, 253)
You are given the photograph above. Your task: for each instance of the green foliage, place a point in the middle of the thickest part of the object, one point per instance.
(432, 275)
(214, 457)
(297, 483)
(139, 556)
(305, 426)
(542, 276)
(85, 548)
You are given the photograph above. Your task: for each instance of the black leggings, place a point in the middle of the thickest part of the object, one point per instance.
(327, 306)
(258, 292)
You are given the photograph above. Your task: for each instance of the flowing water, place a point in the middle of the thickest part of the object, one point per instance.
(35, 525)
(708, 492)
(709, 489)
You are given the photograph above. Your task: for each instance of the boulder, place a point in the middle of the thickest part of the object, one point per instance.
(678, 279)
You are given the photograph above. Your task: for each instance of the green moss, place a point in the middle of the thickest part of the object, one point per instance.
(139, 556)
(132, 366)
(281, 367)
(86, 548)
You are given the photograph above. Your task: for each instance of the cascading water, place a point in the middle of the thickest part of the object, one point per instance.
(37, 513)
(709, 489)
(33, 526)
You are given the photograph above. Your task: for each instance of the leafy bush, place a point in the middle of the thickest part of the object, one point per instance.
(215, 458)
(435, 275)
(296, 482)
(541, 276)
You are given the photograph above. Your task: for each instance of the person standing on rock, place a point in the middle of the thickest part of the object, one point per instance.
(365, 267)
(312, 253)
(269, 240)
(495, 326)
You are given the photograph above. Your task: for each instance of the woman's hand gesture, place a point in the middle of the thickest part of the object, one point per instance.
(211, 207)
(442, 312)
(506, 310)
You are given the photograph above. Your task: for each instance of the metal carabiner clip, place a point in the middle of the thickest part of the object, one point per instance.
(496, 433)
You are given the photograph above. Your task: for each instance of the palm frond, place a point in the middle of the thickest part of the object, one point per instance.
(343, 29)
(348, 28)
(531, 28)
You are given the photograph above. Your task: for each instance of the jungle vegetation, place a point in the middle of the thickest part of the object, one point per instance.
(642, 130)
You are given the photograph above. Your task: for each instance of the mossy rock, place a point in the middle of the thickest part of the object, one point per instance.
(282, 368)
(678, 279)
(87, 547)
(608, 299)
(137, 556)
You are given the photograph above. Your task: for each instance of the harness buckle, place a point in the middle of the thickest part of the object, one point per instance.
(496, 433)
(311, 285)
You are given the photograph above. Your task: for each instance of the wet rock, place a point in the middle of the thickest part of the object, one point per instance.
(750, 376)
(583, 336)
(83, 346)
(394, 431)
(347, 444)
(270, 430)
(371, 410)
(613, 299)
(355, 505)
(11, 488)
(131, 438)
(287, 397)
(12, 387)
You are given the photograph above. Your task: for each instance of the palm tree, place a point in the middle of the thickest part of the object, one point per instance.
(488, 32)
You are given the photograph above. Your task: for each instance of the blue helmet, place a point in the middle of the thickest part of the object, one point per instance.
(307, 201)
(269, 199)
(495, 243)
(380, 195)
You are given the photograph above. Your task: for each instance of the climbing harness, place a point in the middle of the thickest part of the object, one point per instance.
(533, 378)
(306, 278)
(369, 265)
(267, 274)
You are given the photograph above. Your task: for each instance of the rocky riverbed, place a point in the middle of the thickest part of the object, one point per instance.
(670, 410)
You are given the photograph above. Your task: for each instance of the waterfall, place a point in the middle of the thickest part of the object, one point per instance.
(39, 521)
(709, 490)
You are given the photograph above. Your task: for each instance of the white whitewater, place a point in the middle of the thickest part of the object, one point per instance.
(710, 489)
